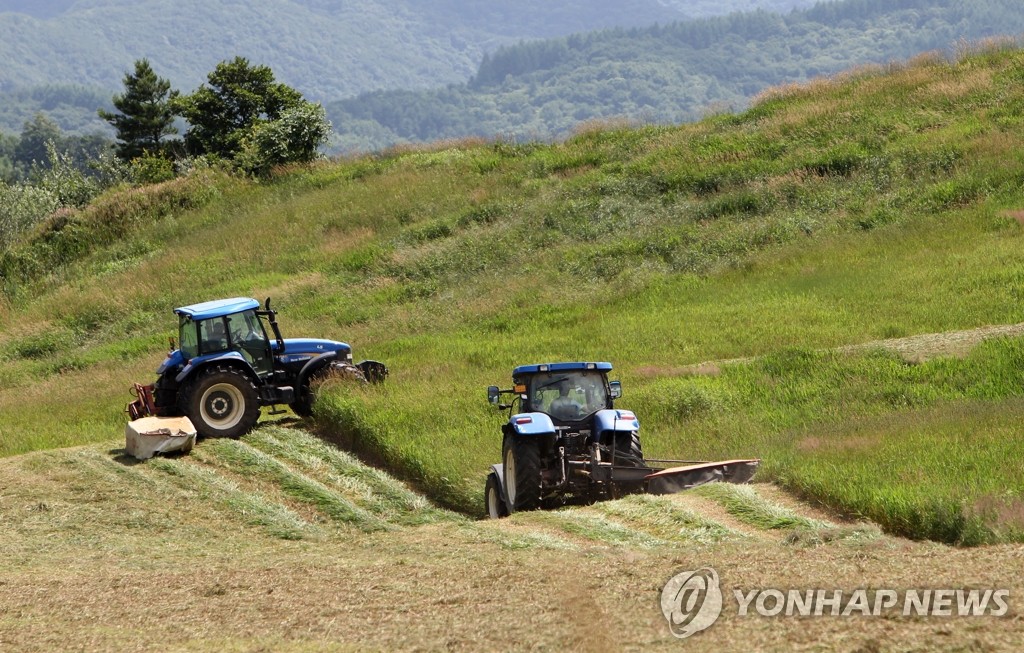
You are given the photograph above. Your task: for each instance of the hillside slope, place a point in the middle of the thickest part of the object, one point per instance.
(279, 541)
(880, 205)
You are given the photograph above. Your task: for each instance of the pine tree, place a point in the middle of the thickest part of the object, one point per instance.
(146, 114)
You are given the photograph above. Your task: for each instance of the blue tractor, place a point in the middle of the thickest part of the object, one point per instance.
(565, 441)
(227, 366)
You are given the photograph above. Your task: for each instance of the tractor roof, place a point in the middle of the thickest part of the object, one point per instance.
(560, 367)
(218, 308)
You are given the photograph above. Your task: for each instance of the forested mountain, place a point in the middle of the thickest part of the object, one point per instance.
(328, 49)
(37, 8)
(666, 73)
(393, 71)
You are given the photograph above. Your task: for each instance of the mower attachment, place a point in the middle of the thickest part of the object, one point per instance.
(677, 479)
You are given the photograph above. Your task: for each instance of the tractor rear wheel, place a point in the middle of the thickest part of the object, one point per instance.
(629, 446)
(521, 456)
(222, 403)
(303, 405)
(493, 503)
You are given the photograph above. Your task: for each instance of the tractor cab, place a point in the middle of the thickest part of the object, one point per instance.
(566, 392)
(229, 325)
(213, 329)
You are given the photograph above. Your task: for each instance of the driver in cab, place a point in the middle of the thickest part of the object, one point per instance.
(563, 406)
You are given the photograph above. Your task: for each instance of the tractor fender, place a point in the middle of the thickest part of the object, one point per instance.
(312, 365)
(229, 357)
(615, 420)
(174, 360)
(499, 471)
(531, 424)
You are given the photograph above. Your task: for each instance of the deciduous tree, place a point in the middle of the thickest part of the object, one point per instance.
(237, 97)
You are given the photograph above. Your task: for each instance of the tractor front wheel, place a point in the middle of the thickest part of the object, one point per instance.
(521, 456)
(495, 505)
(222, 403)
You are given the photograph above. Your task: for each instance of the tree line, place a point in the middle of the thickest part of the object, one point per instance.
(241, 117)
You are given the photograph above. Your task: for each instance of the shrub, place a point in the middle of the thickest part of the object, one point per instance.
(292, 138)
(151, 169)
(23, 206)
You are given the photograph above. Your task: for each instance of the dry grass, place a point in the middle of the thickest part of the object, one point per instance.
(927, 346)
(951, 89)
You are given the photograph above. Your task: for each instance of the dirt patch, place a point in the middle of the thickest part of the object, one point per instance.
(1016, 215)
(913, 349)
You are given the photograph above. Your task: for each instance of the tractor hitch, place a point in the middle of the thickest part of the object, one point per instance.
(143, 405)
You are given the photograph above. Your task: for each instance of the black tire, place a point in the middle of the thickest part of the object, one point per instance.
(628, 447)
(165, 396)
(303, 405)
(521, 456)
(493, 503)
(222, 403)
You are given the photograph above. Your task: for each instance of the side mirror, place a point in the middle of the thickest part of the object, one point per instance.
(492, 394)
(616, 389)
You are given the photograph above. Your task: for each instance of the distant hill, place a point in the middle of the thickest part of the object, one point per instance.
(329, 49)
(667, 73)
(37, 8)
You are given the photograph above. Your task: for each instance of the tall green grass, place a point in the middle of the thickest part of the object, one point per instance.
(878, 205)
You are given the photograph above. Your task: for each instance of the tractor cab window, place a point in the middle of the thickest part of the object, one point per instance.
(246, 331)
(213, 336)
(188, 337)
(568, 396)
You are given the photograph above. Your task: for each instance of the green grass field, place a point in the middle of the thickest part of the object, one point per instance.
(880, 205)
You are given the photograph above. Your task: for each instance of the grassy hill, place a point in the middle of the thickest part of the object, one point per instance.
(882, 204)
